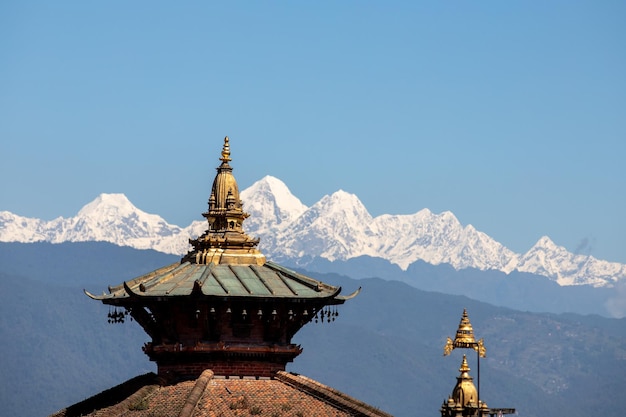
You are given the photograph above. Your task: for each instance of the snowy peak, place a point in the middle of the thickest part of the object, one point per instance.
(551, 260)
(114, 212)
(545, 243)
(342, 205)
(272, 186)
(333, 228)
(270, 205)
(108, 204)
(340, 214)
(14, 228)
(437, 239)
(109, 217)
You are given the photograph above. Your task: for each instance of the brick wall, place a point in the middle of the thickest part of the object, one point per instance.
(221, 368)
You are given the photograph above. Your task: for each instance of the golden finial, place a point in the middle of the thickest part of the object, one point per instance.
(465, 338)
(226, 151)
(464, 366)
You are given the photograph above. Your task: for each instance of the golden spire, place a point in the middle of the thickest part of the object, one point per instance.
(226, 151)
(465, 338)
(465, 393)
(225, 240)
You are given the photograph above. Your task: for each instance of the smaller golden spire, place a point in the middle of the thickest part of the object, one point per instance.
(465, 393)
(226, 151)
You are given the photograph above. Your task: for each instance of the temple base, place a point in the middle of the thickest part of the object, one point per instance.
(176, 362)
(230, 369)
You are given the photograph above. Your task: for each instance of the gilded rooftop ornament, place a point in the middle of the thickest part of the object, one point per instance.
(465, 393)
(465, 338)
(226, 151)
(225, 241)
(464, 365)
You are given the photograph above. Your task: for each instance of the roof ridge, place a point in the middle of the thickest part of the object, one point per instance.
(142, 385)
(329, 395)
(145, 277)
(296, 276)
(196, 393)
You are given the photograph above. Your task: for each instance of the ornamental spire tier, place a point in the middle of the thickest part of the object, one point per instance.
(465, 338)
(223, 307)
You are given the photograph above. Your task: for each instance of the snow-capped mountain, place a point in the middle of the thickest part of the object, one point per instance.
(270, 205)
(110, 218)
(553, 261)
(338, 227)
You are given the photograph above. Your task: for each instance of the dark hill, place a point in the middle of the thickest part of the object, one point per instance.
(542, 364)
(78, 264)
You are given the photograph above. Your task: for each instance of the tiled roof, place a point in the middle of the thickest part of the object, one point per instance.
(286, 395)
(269, 280)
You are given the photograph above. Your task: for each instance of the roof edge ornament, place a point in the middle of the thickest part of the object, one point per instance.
(93, 297)
(349, 296)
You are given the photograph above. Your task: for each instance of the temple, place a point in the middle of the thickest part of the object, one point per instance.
(221, 321)
(223, 307)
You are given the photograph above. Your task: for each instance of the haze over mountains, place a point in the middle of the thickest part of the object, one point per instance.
(336, 228)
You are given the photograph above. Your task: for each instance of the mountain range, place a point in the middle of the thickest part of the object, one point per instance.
(336, 228)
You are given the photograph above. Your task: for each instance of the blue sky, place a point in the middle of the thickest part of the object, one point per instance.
(511, 114)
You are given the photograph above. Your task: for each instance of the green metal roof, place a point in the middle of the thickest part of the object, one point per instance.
(223, 280)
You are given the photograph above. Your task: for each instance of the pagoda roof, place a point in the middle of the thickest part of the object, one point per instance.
(180, 279)
(286, 394)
